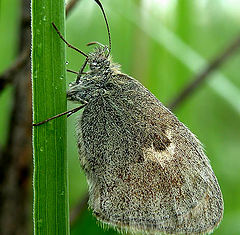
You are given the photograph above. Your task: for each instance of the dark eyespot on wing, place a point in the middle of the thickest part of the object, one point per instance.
(160, 143)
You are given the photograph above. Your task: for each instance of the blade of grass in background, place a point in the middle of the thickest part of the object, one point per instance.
(50, 182)
(190, 58)
(9, 24)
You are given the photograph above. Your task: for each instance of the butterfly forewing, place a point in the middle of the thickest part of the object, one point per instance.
(146, 171)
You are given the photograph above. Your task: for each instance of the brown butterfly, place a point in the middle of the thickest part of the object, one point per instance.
(146, 171)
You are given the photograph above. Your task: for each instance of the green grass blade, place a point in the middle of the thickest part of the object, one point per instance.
(50, 182)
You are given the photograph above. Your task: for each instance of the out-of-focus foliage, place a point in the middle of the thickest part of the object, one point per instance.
(207, 27)
(9, 16)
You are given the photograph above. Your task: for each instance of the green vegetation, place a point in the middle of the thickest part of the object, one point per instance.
(161, 43)
(9, 18)
(50, 174)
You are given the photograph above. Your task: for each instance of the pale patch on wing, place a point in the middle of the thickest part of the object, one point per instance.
(168, 134)
(162, 157)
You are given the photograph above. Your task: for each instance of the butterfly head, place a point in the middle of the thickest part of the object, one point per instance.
(99, 59)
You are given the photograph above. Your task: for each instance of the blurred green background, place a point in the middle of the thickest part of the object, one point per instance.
(163, 43)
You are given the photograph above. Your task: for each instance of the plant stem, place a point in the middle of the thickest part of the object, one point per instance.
(50, 177)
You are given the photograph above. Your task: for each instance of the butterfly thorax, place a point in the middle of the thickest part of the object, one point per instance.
(91, 84)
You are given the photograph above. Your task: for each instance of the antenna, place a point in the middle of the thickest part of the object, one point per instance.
(108, 30)
(68, 44)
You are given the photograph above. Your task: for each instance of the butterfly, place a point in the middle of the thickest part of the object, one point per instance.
(146, 171)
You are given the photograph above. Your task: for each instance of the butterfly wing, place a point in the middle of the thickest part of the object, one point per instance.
(146, 171)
